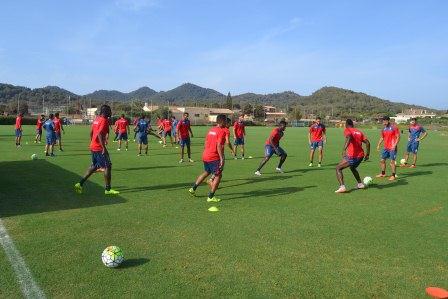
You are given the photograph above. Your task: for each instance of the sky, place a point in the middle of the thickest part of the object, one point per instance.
(397, 50)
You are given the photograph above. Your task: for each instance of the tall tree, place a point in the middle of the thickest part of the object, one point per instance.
(295, 114)
(229, 102)
(259, 112)
(248, 109)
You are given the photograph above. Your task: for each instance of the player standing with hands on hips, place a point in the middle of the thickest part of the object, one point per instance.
(100, 155)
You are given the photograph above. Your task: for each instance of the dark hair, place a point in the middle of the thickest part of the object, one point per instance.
(414, 119)
(51, 115)
(56, 114)
(143, 116)
(105, 110)
(282, 123)
(42, 115)
(173, 116)
(221, 119)
(318, 118)
(386, 118)
(228, 120)
(122, 115)
(186, 113)
(349, 122)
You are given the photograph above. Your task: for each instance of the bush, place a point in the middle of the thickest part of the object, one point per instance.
(11, 120)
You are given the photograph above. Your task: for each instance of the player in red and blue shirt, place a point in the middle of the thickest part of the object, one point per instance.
(167, 127)
(57, 129)
(100, 155)
(316, 139)
(39, 123)
(123, 130)
(213, 158)
(272, 146)
(183, 129)
(239, 132)
(18, 128)
(416, 134)
(353, 155)
(390, 135)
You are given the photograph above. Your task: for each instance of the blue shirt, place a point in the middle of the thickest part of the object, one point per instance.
(142, 126)
(174, 124)
(415, 132)
(49, 127)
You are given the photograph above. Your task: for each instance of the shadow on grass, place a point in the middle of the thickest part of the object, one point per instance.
(131, 263)
(28, 187)
(433, 164)
(167, 187)
(266, 192)
(252, 180)
(412, 174)
(399, 182)
(149, 167)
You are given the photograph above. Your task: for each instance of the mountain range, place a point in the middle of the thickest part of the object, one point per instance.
(325, 101)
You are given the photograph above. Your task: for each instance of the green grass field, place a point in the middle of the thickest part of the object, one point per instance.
(279, 235)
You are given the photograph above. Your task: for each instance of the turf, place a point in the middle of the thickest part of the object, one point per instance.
(282, 235)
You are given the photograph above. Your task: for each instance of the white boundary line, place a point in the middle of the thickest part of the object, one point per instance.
(29, 287)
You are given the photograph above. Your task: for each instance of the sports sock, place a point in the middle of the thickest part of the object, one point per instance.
(393, 173)
(107, 187)
(82, 181)
(383, 172)
(195, 186)
(211, 194)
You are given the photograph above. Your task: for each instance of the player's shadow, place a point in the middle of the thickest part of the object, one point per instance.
(28, 187)
(252, 180)
(415, 173)
(147, 168)
(304, 170)
(168, 187)
(131, 263)
(433, 164)
(399, 182)
(275, 192)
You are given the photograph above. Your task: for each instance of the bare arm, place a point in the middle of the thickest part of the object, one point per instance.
(423, 136)
(347, 142)
(379, 143)
(367, 142)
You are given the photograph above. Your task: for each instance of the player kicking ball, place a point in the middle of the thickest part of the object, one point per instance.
(390, 135)
(183, 129)
(272, 147)
(100, 155)
(416, 134)
(213, 158)
(142, 129)
(352, 155)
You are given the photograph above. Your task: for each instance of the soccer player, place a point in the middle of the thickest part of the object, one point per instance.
(416, 134)
(390, 135)
(142, 129)
(227, 134)
(166, 124)
(183, 132)
(134, 122)
(213, 158)
(316, 138)
(58, 127)
(174, 123)
(100, 155)
(39, 123)
(159, 127)
(123, 129)
(50, 138)
(239, 131)
(116, 131)
(19, 130)
(352, 155)
(272, 146)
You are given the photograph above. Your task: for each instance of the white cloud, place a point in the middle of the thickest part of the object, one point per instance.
(135, 5)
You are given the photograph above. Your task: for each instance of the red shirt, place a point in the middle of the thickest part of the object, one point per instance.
(215, 137)
(276, 135)
(317, 131)
(354, 149)
(116, 126)
(390, 135)
(184, 129)
(122, 125)
(166, 125)
(57, 124)
(226, 132)
(99, 126)
(18, 122)
(39, 124)
(239, 129)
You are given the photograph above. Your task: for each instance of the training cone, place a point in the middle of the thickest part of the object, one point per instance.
(250, 157)
(213, 209)
(437, 292)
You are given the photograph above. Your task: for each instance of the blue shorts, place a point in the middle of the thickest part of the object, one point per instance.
(185, 142)
(18, 133)
(57, 135)
(353, 161)
(212, 167)
(99, 160)
(142, 138)
(413, 147)
(123, 136)
(316, 144)
(239, 141)
(269, 151)
(39, 131)
(389, 154)
(50, 139)
(166, 133)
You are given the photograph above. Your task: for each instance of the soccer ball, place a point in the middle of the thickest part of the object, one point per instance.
(403, 161)
(367, 180)
(112, 256)
(33, 157)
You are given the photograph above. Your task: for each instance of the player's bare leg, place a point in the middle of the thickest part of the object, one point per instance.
(119, 144)
(198, 181)
(393, 167)
(182, 149)
(146, 149)
(127, 144)
(242, 150)
(60, 143)
(262, 164)
(282, 160)
(311, 157)
(356, 174)
(383, 169)
(321, 155)
(340, 176)
(414, 161)
(171, 140)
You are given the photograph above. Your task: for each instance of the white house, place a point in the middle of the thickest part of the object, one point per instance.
(411, 113)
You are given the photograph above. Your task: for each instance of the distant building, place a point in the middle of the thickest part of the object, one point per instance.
(91, 113)
(411, 113)
(272, 115)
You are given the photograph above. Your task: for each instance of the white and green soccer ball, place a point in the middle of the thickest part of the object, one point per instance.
(367, 180)
(403, 161)
(112, 256)
(33, 157)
